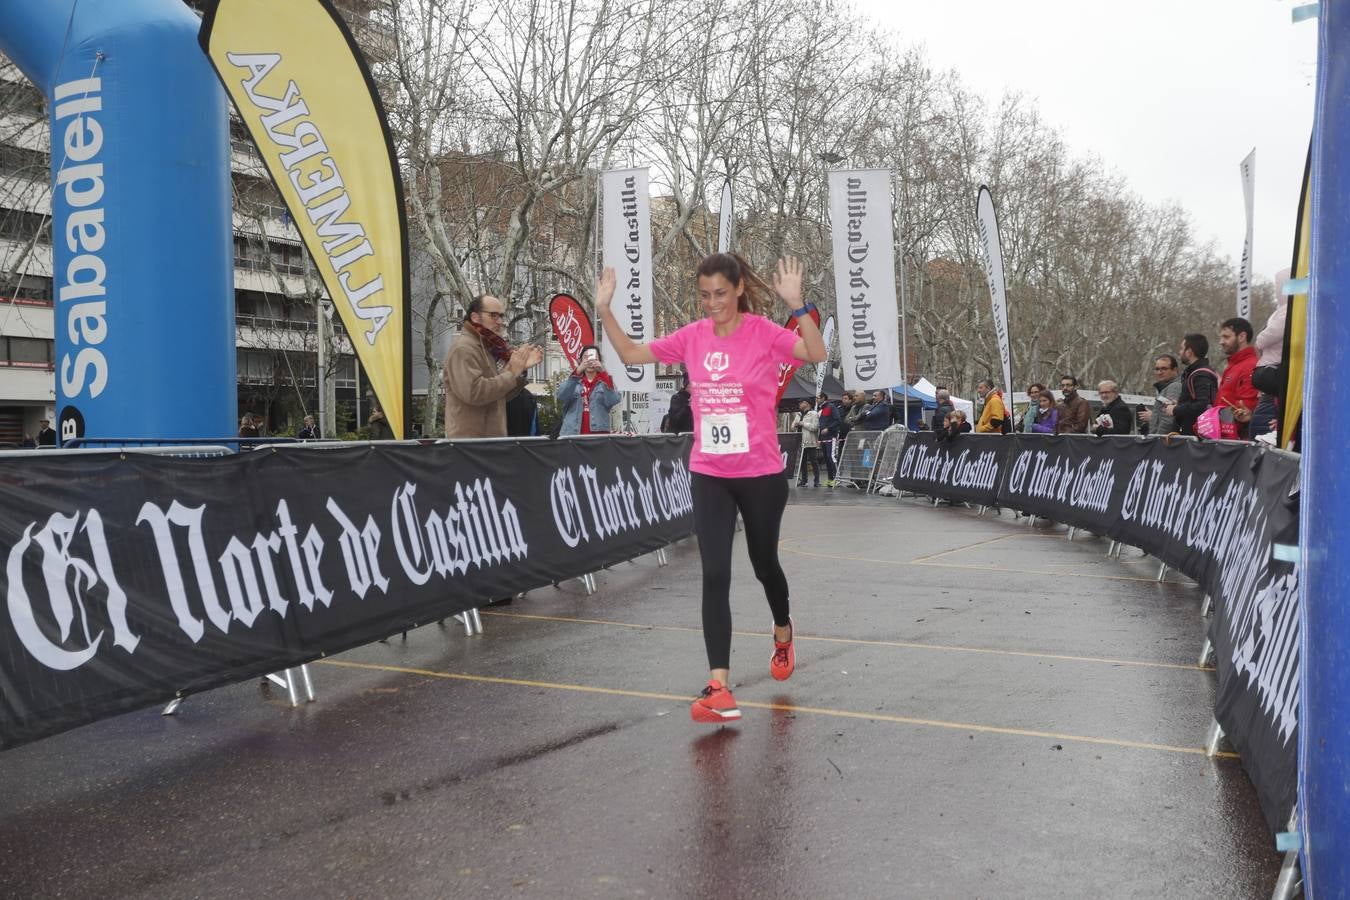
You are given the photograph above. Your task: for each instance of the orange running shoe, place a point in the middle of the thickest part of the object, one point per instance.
(715, 704)
(784, 657)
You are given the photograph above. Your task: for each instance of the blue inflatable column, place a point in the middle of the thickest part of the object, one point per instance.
(1324, 719)
(141, 224)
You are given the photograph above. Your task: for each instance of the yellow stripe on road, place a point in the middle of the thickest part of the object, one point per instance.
(907, 645)
(782, 707)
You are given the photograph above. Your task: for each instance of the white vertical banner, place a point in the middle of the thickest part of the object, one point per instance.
(627, 248)
(724, 220)
(827, 337)
(1244, 287)
(986, 220)
(864, 277)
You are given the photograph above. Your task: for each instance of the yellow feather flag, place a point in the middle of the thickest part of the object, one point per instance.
(1296, 322)
(303, 90)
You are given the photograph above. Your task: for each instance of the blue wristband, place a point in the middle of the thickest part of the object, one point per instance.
(806, 308)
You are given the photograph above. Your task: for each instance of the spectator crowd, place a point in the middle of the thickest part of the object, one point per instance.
(1238, 400)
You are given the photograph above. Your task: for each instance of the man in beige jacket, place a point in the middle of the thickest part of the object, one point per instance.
(482, 372)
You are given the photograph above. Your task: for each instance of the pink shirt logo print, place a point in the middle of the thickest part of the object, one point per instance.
(716, 362)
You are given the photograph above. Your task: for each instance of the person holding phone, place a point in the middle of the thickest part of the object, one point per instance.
(733, 356)
(587, 396)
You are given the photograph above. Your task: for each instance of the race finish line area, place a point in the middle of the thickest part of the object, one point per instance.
(980, 707)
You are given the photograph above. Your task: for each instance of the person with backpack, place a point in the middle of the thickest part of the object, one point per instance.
(1199, 383)
(994, 416)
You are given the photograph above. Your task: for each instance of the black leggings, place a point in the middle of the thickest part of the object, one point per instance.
(761, 501)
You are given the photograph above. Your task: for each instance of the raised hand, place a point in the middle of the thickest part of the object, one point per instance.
(787, 281)
(604, 289)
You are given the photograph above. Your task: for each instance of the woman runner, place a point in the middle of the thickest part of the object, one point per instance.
(733, 357)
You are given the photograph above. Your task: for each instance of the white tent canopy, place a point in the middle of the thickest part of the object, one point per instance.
(966, 406)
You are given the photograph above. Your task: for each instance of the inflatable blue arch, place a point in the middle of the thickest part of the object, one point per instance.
(1324, 770)
(142, 278)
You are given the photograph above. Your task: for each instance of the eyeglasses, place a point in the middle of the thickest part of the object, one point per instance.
(495, 315)
(1162, 368)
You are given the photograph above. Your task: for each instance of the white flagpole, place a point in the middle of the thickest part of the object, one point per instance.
(725, 216)
(986, 221)
(1247, 169)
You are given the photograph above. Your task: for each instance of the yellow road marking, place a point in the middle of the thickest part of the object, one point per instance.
(993, 540)
(907, 645)
(782, 707)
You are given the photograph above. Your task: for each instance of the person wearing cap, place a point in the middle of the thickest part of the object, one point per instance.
(46, 436)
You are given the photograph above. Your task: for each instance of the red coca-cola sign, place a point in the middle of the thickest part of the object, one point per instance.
(571, 326)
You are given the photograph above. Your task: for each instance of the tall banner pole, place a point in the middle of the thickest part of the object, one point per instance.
(627, 247)
(987, 222)
(864, 277)
(1296, 317)
(827, 337)
(1244, 286)
(904, 324)
(725, 217)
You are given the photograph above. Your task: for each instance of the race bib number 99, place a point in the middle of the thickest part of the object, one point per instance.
(724, 434)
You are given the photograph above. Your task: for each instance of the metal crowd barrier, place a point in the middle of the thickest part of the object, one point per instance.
(892, 446)
(859, 458)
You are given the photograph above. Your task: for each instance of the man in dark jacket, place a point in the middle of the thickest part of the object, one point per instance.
(844, 408)
(680, 418)
(1115, 417)
(877, 417)
(1074, 410)
(944, 407)
(829, 433)
(1199, 383)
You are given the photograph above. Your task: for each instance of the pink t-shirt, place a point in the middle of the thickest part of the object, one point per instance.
(733, 383)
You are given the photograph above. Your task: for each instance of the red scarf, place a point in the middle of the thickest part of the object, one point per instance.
(500, 350)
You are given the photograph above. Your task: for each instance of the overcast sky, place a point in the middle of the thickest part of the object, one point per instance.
(1172, 94)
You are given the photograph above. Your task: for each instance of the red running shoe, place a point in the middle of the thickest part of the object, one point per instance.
(715, 704)
(784, 657)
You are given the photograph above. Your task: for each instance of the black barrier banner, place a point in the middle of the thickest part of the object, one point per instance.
(790, 443)
(1214, 511)
(129, 580)
(968, 469)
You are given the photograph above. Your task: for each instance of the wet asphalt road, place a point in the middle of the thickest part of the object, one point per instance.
(980, 709)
